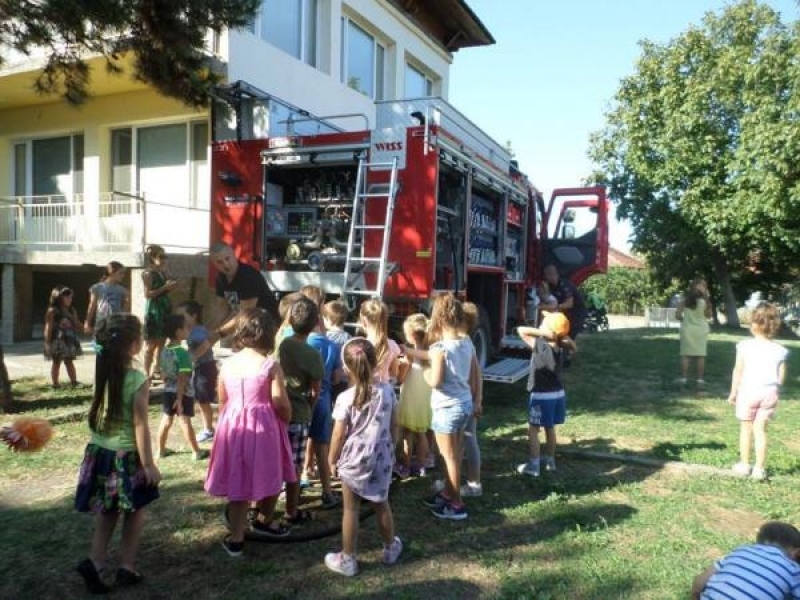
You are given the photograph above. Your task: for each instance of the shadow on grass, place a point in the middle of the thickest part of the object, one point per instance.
(538, 586)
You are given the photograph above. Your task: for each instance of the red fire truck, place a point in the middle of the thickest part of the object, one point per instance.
(423, 202)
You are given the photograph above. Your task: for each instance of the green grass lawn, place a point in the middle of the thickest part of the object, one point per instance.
(594, 529)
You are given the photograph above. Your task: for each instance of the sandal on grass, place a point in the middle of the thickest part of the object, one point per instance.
(274, 529)
(91, 577)
(302, 516)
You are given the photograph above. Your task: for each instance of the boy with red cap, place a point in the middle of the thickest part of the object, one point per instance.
(547, 401)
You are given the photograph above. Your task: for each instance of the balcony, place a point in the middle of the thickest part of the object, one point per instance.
(74, 229)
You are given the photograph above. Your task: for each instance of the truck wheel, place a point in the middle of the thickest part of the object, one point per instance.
(482, 338)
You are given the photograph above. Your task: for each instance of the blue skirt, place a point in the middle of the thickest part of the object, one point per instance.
(112, 481)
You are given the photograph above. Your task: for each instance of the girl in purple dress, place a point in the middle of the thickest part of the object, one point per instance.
(251, 457)
(362, 451)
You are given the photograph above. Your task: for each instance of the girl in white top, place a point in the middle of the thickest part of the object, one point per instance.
(453, 377)
(759, 372)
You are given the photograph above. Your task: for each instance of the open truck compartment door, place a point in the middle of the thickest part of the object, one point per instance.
(575, 232)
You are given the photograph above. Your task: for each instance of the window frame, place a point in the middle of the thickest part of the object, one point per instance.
(309, 42)
(430, 82)
(22, 148)
(378, 74)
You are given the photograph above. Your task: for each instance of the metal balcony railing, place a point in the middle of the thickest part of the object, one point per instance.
(116, 222)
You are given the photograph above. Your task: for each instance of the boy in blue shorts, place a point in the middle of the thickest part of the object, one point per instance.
(547, 403)
(176, 369)
(204, 366)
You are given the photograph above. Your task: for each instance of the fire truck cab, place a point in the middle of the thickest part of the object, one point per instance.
(422, 203)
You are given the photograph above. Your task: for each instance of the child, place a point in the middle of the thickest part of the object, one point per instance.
(204, 367)
(284, 306)
(251, 456)
(176, 369)
(334, 314)
(766, 570)
(547, 403)
(319, 433)
(374, 318)
(414, 408)
(362, 453)
(472, 450)
(117, 474)
(693, 313)
(302, 365)
(546, 300)
(759, 372)
(157, 286)
(61, 343)
(454, 370)
(106, 297)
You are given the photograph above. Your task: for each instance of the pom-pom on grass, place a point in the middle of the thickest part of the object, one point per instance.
(26, 434)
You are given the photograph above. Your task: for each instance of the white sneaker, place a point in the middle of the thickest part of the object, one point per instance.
(205, 436)
(549, 463)
(741, 469)
(758, 474)
(530, 468)
(472, 488)
(393, 551)
(342, 563)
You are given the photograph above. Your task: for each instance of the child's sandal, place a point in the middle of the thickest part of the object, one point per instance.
(126, 577)
(91, 577)
(302, 516)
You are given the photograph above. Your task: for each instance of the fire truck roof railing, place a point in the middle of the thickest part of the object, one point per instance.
(391, 114)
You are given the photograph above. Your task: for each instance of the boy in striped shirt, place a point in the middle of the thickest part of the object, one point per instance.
(766, 570)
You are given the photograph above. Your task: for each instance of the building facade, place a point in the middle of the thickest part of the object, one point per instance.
(81, 186)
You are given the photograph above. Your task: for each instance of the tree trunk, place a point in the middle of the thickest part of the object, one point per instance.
(723, 277)
(5, 385)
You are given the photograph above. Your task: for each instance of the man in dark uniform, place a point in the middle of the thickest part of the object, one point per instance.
(238, 286)
(570, 300)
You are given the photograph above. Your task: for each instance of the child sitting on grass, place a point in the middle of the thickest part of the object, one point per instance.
(547, 404)
(766, 570)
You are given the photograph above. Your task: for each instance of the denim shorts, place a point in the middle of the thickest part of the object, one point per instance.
(451, 419)
(204, 382)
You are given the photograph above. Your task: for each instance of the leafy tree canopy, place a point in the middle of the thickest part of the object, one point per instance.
(702, 145)
(166, 38)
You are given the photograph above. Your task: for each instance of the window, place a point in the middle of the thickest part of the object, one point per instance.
(49, 167)
(418, 85)
(170, 165)
(363, 61)
(290, 25)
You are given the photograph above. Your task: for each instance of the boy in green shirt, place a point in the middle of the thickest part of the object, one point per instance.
(303, 369)
(178, 398)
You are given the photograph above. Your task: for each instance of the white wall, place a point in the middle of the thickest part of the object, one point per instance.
(320, 90)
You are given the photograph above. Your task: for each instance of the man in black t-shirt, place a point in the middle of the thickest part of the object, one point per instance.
(570, 300)
(238, 286)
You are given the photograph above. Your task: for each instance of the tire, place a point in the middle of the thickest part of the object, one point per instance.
(482, 338)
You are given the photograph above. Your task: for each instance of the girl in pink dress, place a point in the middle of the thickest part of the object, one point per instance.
(362, 452)
(374, 317)
(251, 457)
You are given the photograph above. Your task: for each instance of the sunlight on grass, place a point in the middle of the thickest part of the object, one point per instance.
(593, 529)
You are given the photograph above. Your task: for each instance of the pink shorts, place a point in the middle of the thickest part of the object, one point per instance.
(757, 405)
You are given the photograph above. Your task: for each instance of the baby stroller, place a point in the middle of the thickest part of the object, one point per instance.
(596, 314)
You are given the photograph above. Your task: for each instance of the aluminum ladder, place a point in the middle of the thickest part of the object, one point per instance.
(356, 261)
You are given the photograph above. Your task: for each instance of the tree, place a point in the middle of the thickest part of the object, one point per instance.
(701, 148)
(166, 38)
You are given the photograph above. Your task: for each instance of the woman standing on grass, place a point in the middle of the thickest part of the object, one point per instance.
(106, 297)
(693, 313)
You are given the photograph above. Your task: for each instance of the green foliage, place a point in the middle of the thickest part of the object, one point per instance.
(629, 291)
(166, 37)
(701, 147)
